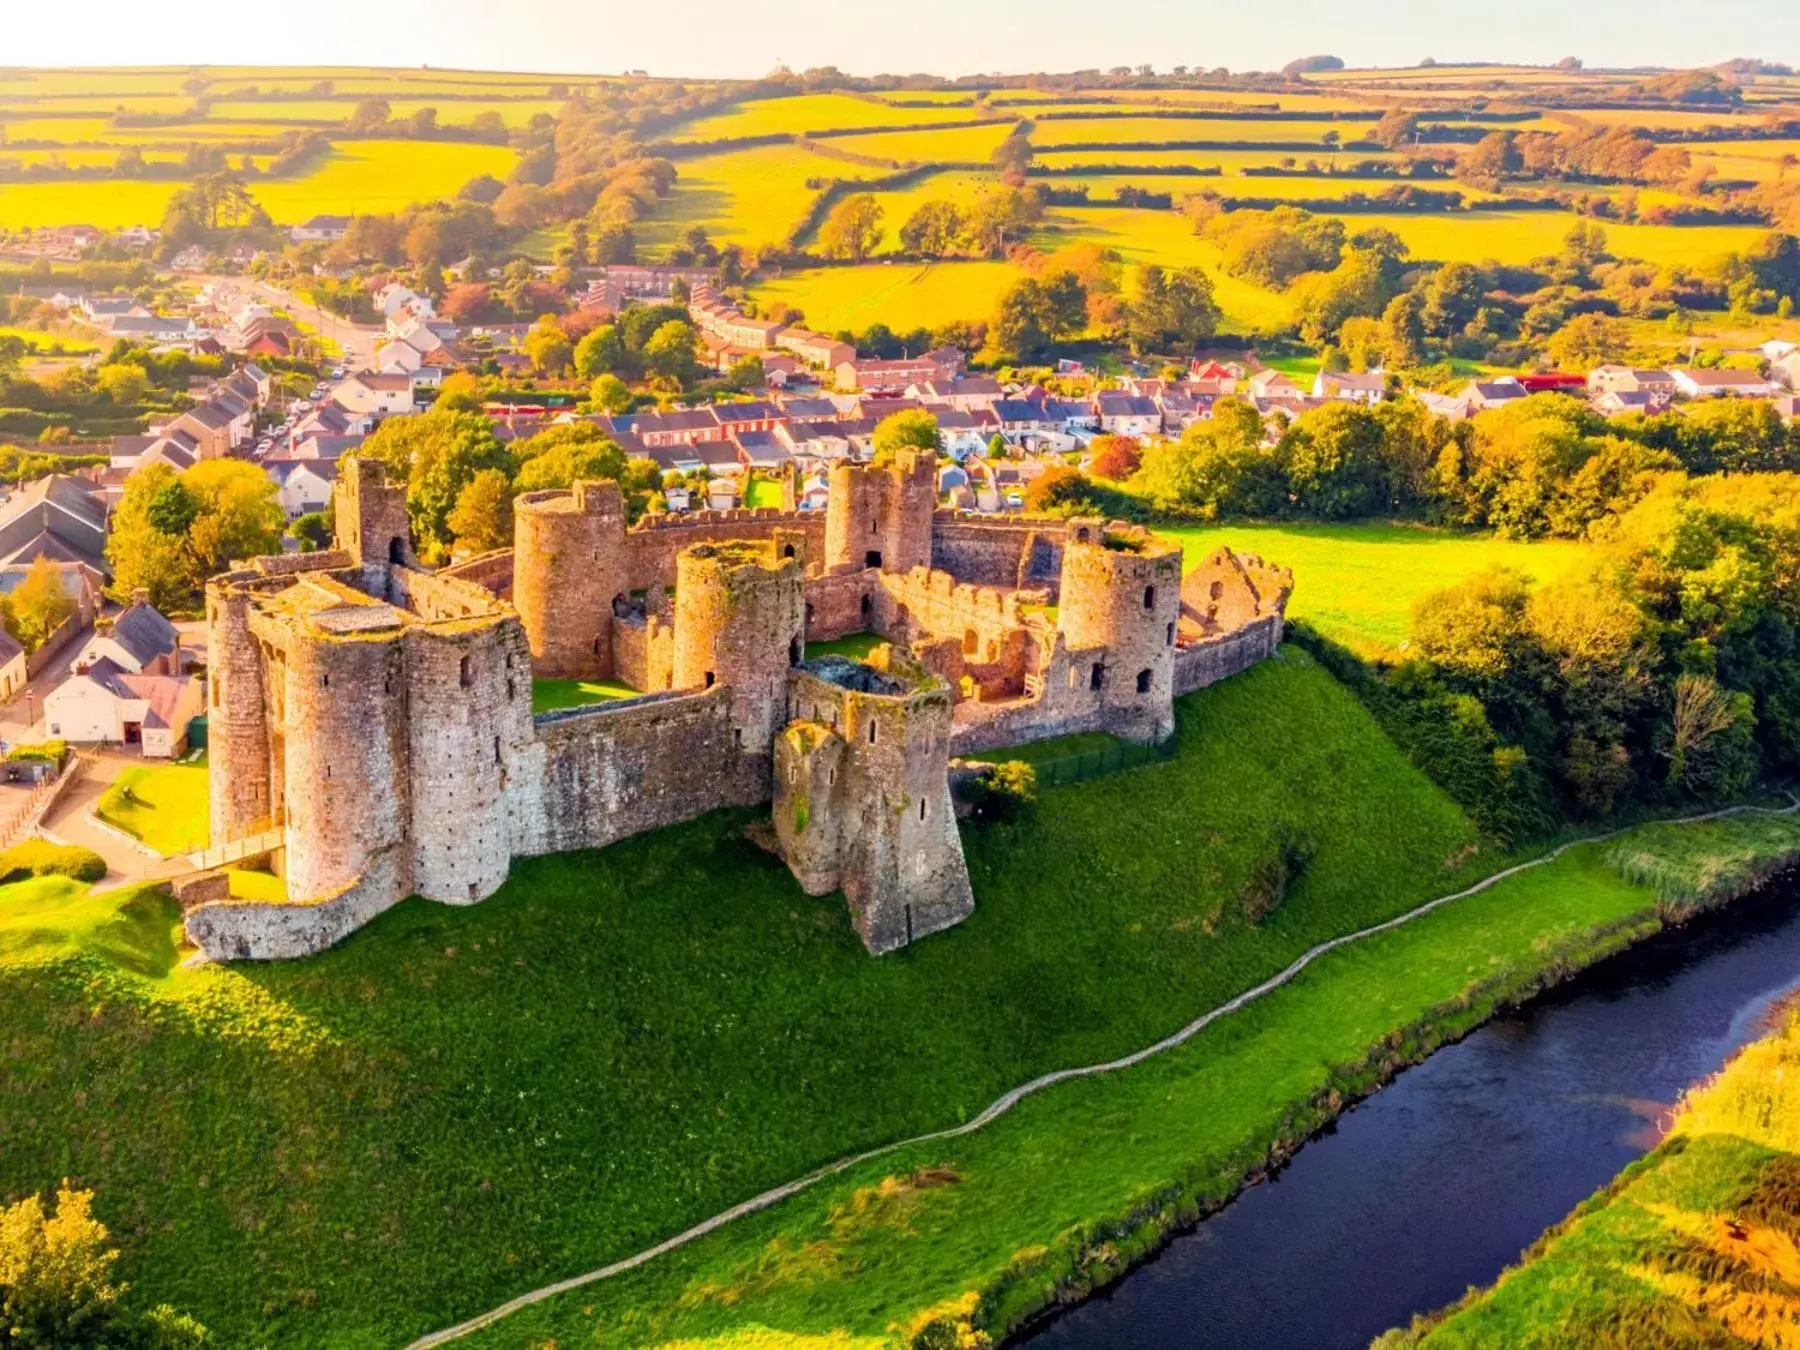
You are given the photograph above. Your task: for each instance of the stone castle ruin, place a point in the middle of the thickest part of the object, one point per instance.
(371, 725)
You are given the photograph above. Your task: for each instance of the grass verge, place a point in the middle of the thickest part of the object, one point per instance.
(552, 695)
(162, 806)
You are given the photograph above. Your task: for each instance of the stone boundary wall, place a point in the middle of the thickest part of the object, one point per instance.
(1218, 658)
(289, 564)
(434, 598)
(251, 930)
(592, 776)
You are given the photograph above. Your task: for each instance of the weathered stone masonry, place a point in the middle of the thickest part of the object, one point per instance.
(378, 715)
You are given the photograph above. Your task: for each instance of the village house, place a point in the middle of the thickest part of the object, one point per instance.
(1479, 394)
(139, 641)
(1695, 383)
(1614, 379)
(816, 349)
(1343, 384)
(1270, 383)
(887, 377)
(303, 485)
(56, 517)
(1128, 414)
(323, 229)
(375, 394)
(14, 675)
(106, 704)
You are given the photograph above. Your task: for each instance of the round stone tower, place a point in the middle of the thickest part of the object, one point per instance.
(740, 621)
(568, 567)
(347, 772)
(237, 721)
(1118, 609)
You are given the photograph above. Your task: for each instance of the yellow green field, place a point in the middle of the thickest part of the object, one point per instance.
(901, 295)
(1146, 130)
(964, 187)
(1518, 236)
(358, 177)
(749, 197)
(1228, 160)
(1307, 189)
(810, 112)
(450, 112)
(952, 145)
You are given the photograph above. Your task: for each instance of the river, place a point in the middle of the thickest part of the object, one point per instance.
(1441, 1179)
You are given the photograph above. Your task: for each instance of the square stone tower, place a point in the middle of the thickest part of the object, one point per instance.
(862, 796)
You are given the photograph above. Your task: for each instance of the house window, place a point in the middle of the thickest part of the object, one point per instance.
(1143, 682)
(1097, 677)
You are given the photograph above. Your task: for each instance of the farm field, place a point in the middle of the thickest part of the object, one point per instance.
(1282, 187)
(1228, 160)
(810, 112)
(952, 145)
(359, 176)
(903, 295)
(1132, 130)
(749, 197)
(964, 187)
(458, 111)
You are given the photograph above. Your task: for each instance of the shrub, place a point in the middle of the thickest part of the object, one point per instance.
(41, 858)
(44, 752)
(1006, 793)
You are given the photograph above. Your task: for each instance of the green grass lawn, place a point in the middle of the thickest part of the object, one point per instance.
(856, 646)
(1357, 583)
(164, 806)
(1057, 747)
(551, 695)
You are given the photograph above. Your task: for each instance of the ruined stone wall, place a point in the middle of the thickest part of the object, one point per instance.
(371, 520)
(492, 571)
(427, 595)
(1216, 658)
(838, 604)
(238, 734)
(468, 693)
(593, 776)
(644, 652)
(244, 930)
(740, 621)
(570, 566)
(1022, 551)
(654, 542)
(1123, 599)
(911, 606)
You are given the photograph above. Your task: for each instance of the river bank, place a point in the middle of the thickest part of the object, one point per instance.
(981, 1235)
(1698, 1242)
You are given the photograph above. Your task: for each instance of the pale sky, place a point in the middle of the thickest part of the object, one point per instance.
(946, 37)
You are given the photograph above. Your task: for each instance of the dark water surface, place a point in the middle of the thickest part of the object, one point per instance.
(1441, 1179)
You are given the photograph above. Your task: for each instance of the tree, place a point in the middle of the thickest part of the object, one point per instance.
(57, 1290)
(1218, 468)
(601, 351)
(549, 349)
(1033, 314)
(481, 520)
(40, 605)
(1589, 340)
(459, 392)
(1171, 311)
(153, 555)
(1708, 742)
(746, 373)
(558, 457)
(313, 529)
(914, 429)
(1333, 461)
(935, 230)
(123, 385)
(669, 354)
(239, 515)
(1395, 128)
(370, 114)
(1491, 161)
(1114, 458)
(435, 454)
(853, 228)
(610, 394)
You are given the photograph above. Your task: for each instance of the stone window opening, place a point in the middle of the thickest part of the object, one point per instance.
(496, 749)
(1169, 639)
(328, 773)
(796, 652)
(909, 935)
(474, 891)
(397, 550)
(1097, 676)
(710, 677)
(325, 680)
(466, 672)
(512, 690)
(921, 808)
(1217, 590)
(509, 663)
(872, 558)
(596, 646)
(871, 733)
(970, 642)
(788, 551)
(737, 737)
(1143, 682)
(867, 604)
(1149, 597)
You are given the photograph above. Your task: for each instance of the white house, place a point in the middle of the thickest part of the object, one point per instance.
(13, 675)
(107, 704)
(1358, 388)
(1128, 414)
(320, 230)
(376, 394)
(1697, 383)
(140, 641)
(302, 485)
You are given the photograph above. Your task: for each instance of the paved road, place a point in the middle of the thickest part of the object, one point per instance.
(357, 340)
